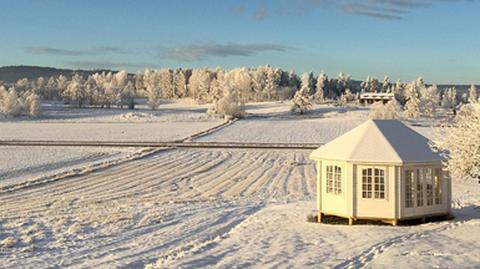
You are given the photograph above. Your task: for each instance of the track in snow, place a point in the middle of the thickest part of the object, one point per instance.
(160, 206)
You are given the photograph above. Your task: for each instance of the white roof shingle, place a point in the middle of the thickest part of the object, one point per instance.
(379, 141)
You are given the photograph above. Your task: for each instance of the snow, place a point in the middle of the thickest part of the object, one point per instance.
(278, 125)
(379, 141)
(184, 110)
(168, 131)
(174, 121)
(222, 208)
(21, 163)
(279, 236)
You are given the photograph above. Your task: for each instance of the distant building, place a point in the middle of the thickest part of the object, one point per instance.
(372, 97)
(381, 170)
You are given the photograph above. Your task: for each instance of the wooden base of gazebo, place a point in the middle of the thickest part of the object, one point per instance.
(393, 222)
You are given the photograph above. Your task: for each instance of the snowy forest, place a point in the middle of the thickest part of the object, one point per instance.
(226, 88)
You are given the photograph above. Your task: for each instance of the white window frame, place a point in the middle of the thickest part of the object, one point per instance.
(419, 187)
(428, 177)
(333, 177)
(410, 188)
(374, 185)
(437, 186)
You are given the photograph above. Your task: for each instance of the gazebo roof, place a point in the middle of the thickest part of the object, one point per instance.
(378, 141)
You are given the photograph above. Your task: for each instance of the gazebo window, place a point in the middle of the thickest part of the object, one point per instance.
(334, 179)
(379, 184)
(409, 188)
(420, 187)
(367, 183)
(338, 180)
(373, 182)
(438, 186)
(429, 185)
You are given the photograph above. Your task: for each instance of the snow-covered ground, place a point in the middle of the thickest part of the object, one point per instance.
(22, 163)
(172, 121)
(183, 110)
(274, 123)
(222, 208)
(287, 130)
(158, 131)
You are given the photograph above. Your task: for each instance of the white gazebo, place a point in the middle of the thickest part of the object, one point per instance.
(381, 170)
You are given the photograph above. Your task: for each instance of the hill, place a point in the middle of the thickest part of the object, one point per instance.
(10, 74)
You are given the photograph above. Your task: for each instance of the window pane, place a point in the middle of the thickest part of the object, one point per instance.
(429, 186)
(329, 178)
(408, 201)
(379, 184)
(420, 181)
(367, 183)
(438, 186)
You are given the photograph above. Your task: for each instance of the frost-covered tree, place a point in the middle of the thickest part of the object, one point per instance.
(139, 85)
(429, 101)
(320, 88)
(165, 78)
(61, 84)
(347, 97)
(272, 83)
(412, 94)
(51, 91)
(200, 85)
(12, 106)
(391, 110)
(23, 85)
(217, 87)
(3, 97)
(40, 85)
(13, 103)
(461, 143)
(386, 84)
(472, 94)
(301, 99)
(399, 92)
(152, 90)
(227, 106)
(370, 84)
(258, 83)
(243, 83)
(180, 83)
(339, 85)
(307, 83)
(449, 99)
(75, 91)
(33, 105)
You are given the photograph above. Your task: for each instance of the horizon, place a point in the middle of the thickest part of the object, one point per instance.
(300, 74)
(361, 38)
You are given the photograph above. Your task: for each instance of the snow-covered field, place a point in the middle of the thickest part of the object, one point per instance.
(223, 208)
(155, 132)
(175, 121)
(22, 163)
(183, 110)
(287, 130)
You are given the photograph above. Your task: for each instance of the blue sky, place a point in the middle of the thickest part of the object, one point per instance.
(436, 39)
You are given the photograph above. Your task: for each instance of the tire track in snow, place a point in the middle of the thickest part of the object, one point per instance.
(76, 192)
(122, 196)
(82, 182)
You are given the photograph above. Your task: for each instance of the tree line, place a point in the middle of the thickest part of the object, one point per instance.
(241, 85)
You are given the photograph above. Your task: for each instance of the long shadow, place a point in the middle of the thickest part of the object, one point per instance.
(467, 213)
